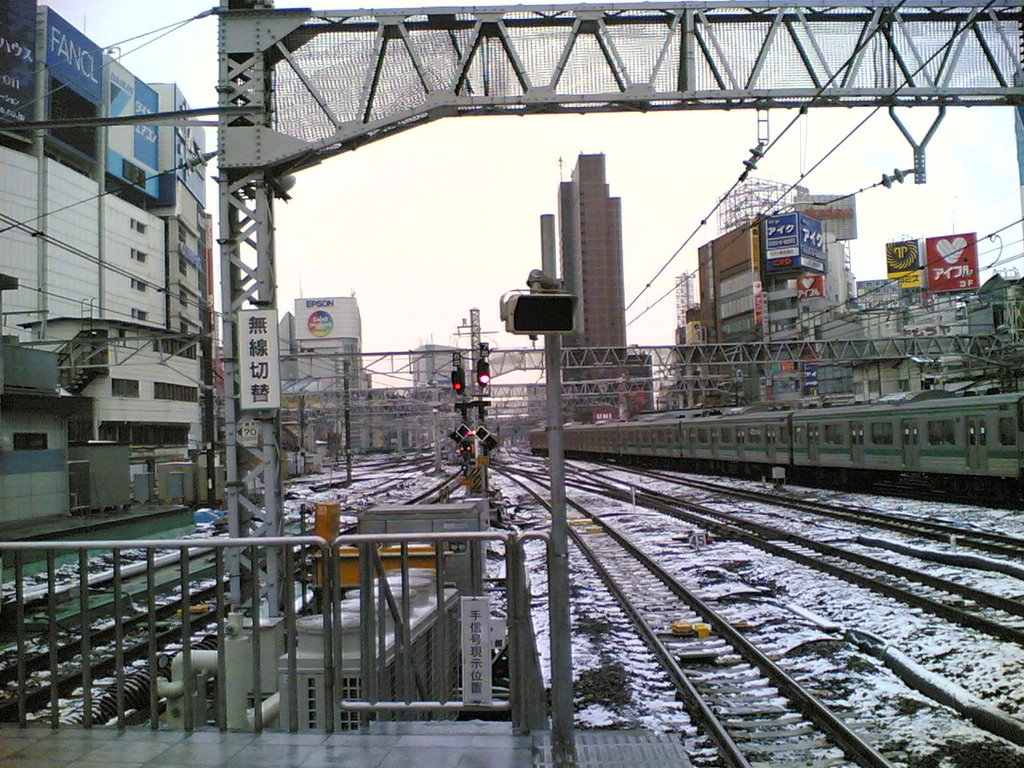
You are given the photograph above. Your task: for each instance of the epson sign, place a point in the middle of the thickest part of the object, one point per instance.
(319, 303)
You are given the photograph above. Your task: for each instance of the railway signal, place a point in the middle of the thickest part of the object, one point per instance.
(483, 367)
(458, 374)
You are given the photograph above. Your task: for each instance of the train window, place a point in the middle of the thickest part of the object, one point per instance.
(728, 435)
(940, 432)
(754, 435)
(702, 434)
(740, 436)
(784, 435)
(1007, 432)
(833, 434)
(798, 435)
(769, 435)
(692, 432)
(881, 433)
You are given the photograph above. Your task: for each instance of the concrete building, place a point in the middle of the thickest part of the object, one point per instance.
(591, 247)
(755, 285)
(321, 341)
(104, 229)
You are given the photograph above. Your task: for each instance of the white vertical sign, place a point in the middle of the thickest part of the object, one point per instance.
(258, 363)
(476, 650)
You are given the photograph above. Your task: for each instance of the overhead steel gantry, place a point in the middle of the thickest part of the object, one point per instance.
(326, 82)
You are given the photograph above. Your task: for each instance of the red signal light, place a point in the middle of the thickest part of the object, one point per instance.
(458, 379)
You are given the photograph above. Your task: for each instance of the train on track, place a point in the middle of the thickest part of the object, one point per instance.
(969, 448)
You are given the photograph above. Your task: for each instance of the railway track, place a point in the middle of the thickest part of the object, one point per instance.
(985, 541)
(750, 707)
(976, 609)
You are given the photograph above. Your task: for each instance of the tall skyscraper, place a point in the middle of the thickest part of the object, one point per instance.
(591, 246)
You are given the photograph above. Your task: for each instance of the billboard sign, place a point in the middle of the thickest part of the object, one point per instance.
(810, 287)
(189, 145)
(952, 262)
(327, 318)
(903, 262)
(74, 59)
(17, 59)
(132, 149)
(793, 242)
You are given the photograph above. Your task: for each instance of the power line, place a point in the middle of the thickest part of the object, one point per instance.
(170, 28)
(757, 153)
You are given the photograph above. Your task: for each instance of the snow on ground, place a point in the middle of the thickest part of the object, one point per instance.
(905, 723)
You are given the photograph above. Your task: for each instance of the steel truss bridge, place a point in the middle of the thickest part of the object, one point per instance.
(593, 376)
(317, 84)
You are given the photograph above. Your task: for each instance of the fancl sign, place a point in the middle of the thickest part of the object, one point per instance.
(74, 60)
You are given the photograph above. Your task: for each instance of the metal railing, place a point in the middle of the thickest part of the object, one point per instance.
(128, 633)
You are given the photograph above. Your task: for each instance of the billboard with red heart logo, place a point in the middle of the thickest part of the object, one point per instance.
(952, 262)
(810, 287)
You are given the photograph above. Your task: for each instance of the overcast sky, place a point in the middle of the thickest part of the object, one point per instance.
(433, 221)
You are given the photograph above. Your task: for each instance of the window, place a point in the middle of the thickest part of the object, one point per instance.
(140, 314)
(702, 435)
(182, 265)
(1007, 432)
(741, 436)
(754, 435)
(833, 434)
(138, 226)
(179, 392)
(798, 435)
(728, 435)
(940, 432)
(881, 433)
(182, 299)
(784, 435)
(138, 285)
(139, 256)
(30, 441)
(124, 387)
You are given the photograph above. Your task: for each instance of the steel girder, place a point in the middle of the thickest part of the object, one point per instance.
(341, 79)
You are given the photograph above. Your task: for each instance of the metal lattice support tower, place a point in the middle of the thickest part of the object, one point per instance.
(253, 490)
(328, 83)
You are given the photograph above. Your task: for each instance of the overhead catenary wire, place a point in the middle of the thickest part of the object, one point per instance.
(759, 152)
(804, 174)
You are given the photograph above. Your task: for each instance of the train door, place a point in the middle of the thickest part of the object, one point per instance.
(857, 442)
(813, 443)
(911, 443)
(769, 443)
(977, 444)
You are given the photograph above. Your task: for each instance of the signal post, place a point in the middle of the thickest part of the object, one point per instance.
(548, 310)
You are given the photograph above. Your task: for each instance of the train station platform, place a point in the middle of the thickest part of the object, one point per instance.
(467, 744)
(136, 522)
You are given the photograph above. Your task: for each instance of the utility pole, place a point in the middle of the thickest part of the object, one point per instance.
(563, 745)
(348, 427)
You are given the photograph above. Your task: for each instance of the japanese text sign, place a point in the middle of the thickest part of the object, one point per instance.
(952, 262)
(476, 650)
(258, 360)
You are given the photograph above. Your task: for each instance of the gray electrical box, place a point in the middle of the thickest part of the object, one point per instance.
(464, 562)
